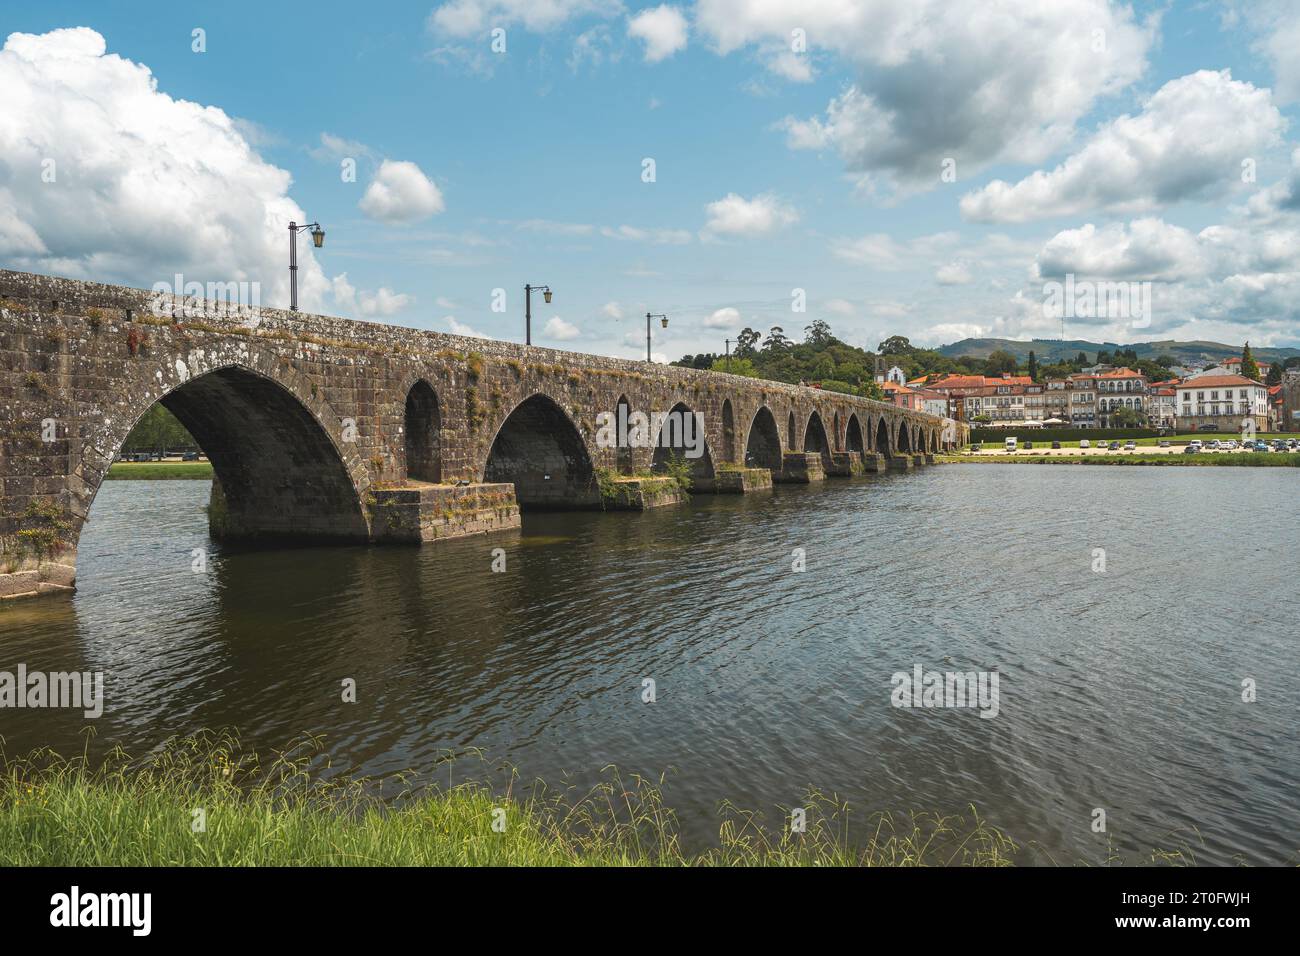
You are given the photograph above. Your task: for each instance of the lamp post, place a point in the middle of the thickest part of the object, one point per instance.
(648, 316)
(528, 308)
(317, 238)
(728, 341)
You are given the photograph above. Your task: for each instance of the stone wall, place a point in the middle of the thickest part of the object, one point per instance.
(304, 416)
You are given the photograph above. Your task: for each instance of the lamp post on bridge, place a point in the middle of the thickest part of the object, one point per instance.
(648, 316)
(317, 238)
(528, 308)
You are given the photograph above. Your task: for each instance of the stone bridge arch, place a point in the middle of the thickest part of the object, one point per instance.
(539, 447)
(763, 441)
(283, 468)
(815, 438)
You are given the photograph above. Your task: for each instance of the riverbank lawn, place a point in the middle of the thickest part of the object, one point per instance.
(159, 470)
(56, 812)
(1025, 436)
(1245, 459)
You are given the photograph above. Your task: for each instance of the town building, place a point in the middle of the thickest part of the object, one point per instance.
(1221, 403)
(1120, 388)
(1082, 389)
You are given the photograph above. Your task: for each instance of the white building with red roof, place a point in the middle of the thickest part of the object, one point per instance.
(1221, 403)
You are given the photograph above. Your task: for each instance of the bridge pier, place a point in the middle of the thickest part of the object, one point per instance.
(901, 463)
(641, 494)
(874, 463)
(740, 481)
(802, 467)
(845, 464)
(423, 512)
(918, 460)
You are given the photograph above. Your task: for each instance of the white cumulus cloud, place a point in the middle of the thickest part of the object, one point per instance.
(663, 29)
(724, 318)
(1005, 80)
(1163, 155)
(400, 192)
(561, 331)
(143, 185)
(382, 302)
(734, 215)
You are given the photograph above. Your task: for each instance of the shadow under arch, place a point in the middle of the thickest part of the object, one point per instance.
(423, 433)
(763, 444)
(814, 439)
(883, 446)
(622, 447)
(904, 440)
(679, 437)
(728, 432)
(540, 451)
(279, 474)
(853, 443)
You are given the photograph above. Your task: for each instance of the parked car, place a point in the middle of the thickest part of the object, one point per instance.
(1260, 446)
(1191, 449)
(975, 447)
(1195, 443)
(1056, 444)
(1029, 446)
(1164, 443)
(1113, 446)
(190, 456)
(1084, 443)
(1130, 445)
(1213, 445)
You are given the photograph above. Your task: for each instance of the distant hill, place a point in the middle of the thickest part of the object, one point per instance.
(1048, 351)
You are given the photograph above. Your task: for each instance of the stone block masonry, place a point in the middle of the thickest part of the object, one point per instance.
(308, 418)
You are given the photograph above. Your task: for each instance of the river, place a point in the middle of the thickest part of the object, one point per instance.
(1119, 689)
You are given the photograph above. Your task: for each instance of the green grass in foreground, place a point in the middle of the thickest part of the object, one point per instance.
(119, 812)
(156, 470)
(60, 812)
(1241, 459)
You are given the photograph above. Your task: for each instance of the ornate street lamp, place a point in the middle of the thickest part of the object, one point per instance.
(528, 308)
(318, 240)
(648, 316)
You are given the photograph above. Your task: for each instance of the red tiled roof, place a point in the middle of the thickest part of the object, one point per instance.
(1217, 381)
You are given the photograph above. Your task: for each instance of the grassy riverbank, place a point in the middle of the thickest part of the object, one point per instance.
(159, 470)
(57, 812)
(1204, 459)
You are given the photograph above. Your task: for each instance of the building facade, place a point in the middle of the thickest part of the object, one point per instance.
(1221, 403)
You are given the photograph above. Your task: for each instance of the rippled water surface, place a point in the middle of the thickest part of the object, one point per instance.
(1119, 690)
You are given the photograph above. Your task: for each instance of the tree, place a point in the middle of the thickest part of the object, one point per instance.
(736, 366)
(999, 361)
(818, 334)
(1274, 374)
(746, 341)
(1249, 367)
(895, 345)
(1033, 365)
(1125, 417)
(1081, 359)
(776, 340)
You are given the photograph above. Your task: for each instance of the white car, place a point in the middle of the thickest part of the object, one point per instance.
(1084, 443)
(1130, 446)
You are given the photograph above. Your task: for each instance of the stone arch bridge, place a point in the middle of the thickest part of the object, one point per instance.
(321, 428)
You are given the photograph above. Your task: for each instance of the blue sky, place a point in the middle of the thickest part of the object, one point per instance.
(775, 169)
